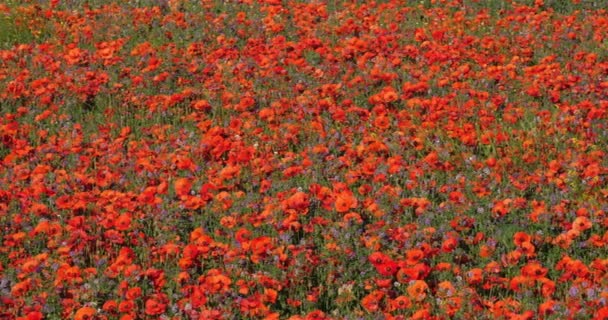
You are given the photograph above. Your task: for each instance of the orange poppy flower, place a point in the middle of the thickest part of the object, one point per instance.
(382, 122)
(547, 307)
(421, 314)
(548, 287)
(538, 208)
(352, 216)
(260, 247)
(345, 201)
(521, 237)
(40, 209)
(501, 208)
(449, 244)
(418, 271)
(253, 306)
(215, 281)
(581, 224)
(518, 282)
(417, 290)
(443, 266)
(21, 288)
(400, 303)
(562, 241)
(201, 105)
(229, 172)
(572, 234)
(534, 270)
(445, 289)
(298, 201)
(182, 186)
(511, 258)
(85, 313)
(413, 256)
(528, 249)
(474, 276)
(103, 178)
(485, 251)
(371, 302)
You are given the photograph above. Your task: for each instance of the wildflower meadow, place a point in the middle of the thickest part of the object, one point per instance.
(303, 159)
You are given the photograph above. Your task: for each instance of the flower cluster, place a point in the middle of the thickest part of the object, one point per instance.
(265, 159)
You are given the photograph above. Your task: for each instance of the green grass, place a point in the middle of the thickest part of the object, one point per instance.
(13, 33)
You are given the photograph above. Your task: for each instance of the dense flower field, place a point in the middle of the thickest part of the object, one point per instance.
(303, 159)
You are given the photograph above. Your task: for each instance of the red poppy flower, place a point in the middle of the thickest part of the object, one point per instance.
(316, 315)
(123, 222)
(521, 237)
(133, 293)
(601, 314)
(156, 305)
(20, 288)
(110, 306)
(449, 244)
(34, 315)
(298, 201)
(126, 306)
(215, 281)
(378, 258)
(388, 268)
